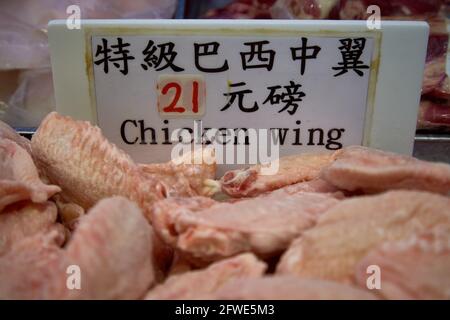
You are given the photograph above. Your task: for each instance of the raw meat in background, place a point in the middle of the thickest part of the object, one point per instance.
(26, 85)
(305, 9)
(433, 114)
(352, 9)
(435, 85)
(435, 68)
(436, 91)
(242, 9)
(319, 9)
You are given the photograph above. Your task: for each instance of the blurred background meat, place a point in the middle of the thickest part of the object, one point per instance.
(435, 85)
(242, 9)
(433, 114)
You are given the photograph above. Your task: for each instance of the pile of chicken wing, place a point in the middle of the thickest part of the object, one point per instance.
(315, 230)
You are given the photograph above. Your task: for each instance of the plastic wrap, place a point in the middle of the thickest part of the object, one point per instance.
(26, 93)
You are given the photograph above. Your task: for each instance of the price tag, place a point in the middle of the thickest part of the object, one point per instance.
(181, 96)
(300, 85)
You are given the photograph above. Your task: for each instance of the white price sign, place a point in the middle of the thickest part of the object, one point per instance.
(309, 86)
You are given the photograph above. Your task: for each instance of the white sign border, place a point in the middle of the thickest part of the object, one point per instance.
(392, 108)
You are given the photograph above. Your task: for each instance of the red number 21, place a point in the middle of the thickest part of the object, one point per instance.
(172, 107)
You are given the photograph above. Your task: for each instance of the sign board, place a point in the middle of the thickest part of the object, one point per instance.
(309, 85)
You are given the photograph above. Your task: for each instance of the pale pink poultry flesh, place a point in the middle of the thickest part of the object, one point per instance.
(348, 231)
(19, 178)
(31, 265)
(24, 219)
(370, 170)
(251, 182)
(326, 240)
(112, 247)
(417, 267)
(205, 230)
(289, 288)
(208, 280)
(77, 157)
(6, 132)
